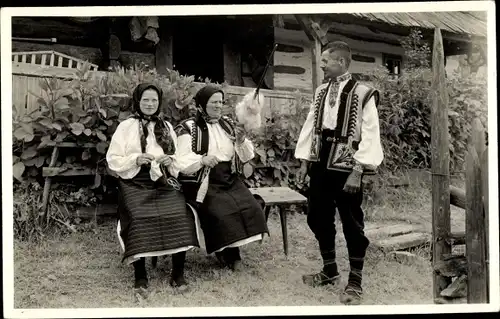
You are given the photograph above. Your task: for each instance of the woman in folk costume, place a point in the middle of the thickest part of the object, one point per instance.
(339, 142)
(211, 151)
(153, 217)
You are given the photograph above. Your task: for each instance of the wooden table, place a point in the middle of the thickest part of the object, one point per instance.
(281, 197)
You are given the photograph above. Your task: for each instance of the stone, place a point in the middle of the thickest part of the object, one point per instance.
(404, 257)
(457, 289)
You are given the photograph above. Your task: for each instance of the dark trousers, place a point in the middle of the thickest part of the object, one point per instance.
(325, 196)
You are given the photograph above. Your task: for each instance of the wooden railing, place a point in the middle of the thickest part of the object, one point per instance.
(49, 59)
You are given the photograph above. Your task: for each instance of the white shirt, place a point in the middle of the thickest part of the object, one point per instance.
(125, 147)
(219, 145)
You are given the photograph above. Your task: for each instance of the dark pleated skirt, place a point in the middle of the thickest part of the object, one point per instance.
(153, 216)
(229, 212)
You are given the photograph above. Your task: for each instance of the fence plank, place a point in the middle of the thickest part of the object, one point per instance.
(475, 220)
(44, 59)
(457, 197)
(60, 62)
(52, 57)
(440, 163)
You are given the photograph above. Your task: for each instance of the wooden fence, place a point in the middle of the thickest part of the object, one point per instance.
(471, 271)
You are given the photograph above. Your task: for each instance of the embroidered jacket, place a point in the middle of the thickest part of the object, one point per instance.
(356, 127)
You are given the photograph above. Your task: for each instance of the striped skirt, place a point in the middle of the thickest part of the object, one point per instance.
(154, 219)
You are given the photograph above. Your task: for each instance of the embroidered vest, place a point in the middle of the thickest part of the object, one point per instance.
(347, 134)
(199, 138)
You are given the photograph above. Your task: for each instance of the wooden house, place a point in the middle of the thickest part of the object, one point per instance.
(234, 49)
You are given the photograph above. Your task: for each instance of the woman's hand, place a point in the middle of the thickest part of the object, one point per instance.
(165, 160)
(144, 159)
(209, 161)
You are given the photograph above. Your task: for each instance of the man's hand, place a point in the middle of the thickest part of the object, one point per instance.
(165, 160)
(240, 133)
(209, 161)
(302, 172)
(144, 159)
(353, 183)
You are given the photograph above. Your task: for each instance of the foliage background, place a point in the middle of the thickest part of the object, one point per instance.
(88, 110)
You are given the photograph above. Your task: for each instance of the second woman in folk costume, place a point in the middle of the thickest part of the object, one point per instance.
(153, 217)
(211, 151)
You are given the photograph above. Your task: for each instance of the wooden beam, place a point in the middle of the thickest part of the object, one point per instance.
(476, 230)
(232, 66)
(440, 158)
(312, 29)
(164, 54)
(317, 73)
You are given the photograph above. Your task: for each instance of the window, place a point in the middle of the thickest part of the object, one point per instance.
(393, 63)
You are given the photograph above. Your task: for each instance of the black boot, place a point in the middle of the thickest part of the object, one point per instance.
(141, 276)
(177, 280)
(233, 258)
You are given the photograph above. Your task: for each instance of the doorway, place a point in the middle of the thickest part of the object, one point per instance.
(198, 48)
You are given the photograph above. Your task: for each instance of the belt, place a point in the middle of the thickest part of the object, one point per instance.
(331, 139)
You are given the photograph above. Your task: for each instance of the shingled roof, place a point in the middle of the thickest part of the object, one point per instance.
(458, 22)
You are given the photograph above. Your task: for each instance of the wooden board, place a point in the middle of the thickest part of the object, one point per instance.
(403, 242)
(279, 195)
(58, 171)
(390, 231)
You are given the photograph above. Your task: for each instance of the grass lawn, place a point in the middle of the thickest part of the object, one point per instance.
(83, 270)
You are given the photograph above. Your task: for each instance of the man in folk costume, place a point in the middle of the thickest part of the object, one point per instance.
(338, 144)
(212, 149)
(154, 219)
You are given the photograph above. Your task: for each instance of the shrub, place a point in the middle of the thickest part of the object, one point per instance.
(405, 110)
(83, 110)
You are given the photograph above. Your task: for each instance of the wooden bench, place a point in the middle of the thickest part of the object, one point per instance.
(280, 197)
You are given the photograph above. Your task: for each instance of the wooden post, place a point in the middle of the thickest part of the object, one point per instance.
(317, 73)
(476, 230)
(232, 66)
(48, 182)
(440, 164)
(164, 55)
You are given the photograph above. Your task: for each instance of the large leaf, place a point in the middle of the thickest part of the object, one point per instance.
(61, 136)
(46, 141)
(78, 111)
(58, 126)
(77, 128)
(100, 135)
(29, 153)
(21, 134)
(18, 170)
(61, 104)
(85, 155)
(46, 122)
(247, 170)
(102, 147)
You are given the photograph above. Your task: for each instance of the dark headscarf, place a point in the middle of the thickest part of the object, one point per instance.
(201, 98)
(136, 99)
(161, 129)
